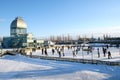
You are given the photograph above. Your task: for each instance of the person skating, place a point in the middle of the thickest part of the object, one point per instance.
(30, 54)
(46, 52)
(74, 53)
(59, 52)
(98, 52)
(109, 55)
(53, 51)
(42, 51)
(104, 51)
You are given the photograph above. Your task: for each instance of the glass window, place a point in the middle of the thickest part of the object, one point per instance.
(12, 30)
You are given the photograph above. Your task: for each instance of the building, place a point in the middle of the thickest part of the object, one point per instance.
(49, 43)
(38, 43)
(19, 38)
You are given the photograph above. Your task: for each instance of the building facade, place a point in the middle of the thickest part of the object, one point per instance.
(19, 38)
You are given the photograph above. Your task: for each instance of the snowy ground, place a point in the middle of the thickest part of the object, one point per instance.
(115, 53)
(24, 68)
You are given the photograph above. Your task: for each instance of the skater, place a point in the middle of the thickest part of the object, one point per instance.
(31, 54)
(62, 50)
(62, 47)
(68, 47)
(63, 53)
(104, 51)
(87, 52)
(98, 52)
(53, 51)
(74, 53)
(109, 55)
(56, 48)
(42, 51)
(46, 52)
(107, 46)
(59, 52)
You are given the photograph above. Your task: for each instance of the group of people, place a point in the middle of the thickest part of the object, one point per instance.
(60, 51)
(105, 51)
(44, 50)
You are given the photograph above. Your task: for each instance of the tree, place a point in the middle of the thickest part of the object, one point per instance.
(52, 38)
(79, 37)
(59, 38)
(69, 38)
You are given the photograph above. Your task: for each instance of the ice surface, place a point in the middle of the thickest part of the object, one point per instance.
(115, 53)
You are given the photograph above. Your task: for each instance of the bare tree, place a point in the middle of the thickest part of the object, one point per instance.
(52, 38)
(79, 37)
(69, 38)
(59, 38)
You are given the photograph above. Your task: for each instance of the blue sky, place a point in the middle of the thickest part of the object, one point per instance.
(61, 17)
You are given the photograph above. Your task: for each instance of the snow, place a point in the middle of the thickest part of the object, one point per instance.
(18, 66)
(24, 68)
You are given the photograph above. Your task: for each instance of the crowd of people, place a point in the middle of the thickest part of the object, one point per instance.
(60, 50)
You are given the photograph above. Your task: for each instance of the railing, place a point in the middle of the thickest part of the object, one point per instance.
(77, 60)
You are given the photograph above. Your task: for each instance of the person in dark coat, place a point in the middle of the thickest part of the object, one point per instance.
(107, 46)
(98, 52)
(109, 55)
(53, 51)
(68, 47)
(104, 51)
(42, 51)
(46, 51)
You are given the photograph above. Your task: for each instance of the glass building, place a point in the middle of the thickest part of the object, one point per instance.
(18, 27)
(19, 38)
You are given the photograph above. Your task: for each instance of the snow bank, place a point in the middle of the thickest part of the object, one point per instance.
(24, 68)
(80, 75)
(18, 63)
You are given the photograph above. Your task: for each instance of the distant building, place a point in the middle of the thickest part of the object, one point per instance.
(19, 38)
(49, 43)
(38, 43)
